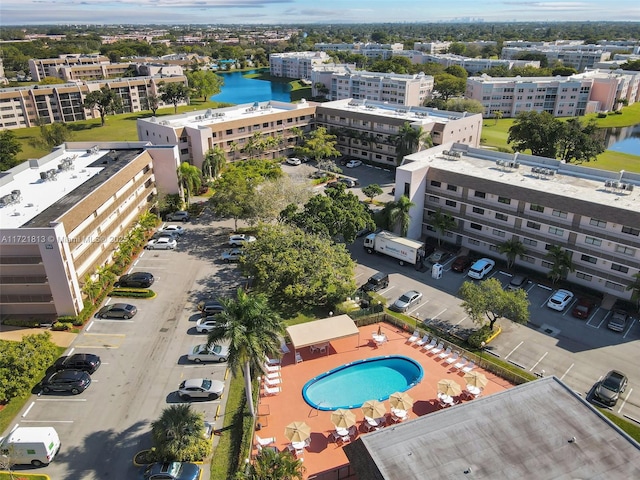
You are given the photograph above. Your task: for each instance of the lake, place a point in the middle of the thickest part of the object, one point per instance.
(238, 89)
(623, 139)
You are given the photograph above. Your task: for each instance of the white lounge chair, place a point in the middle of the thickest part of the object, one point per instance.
(272, 382)
(265, 442)
(272, 361)
(460, 364)
(430, 345)
(438, 349)
(445, 354)
(272, 376)
(422, 341)
(271, 368)
(468, 367)
(271, 390)
(283, 347)
(413, 338)
(453, 358)
(298, 357)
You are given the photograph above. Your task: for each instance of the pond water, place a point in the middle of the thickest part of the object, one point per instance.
(238, 89)
(623, 139)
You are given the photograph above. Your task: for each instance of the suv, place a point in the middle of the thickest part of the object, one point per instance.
(517, 282)
(87, 362)
(210, 307)
(180, 216)
(74, 381)
(618, 320)
(240, 239)
(479, 269)
(136, 279)
(611, 387)
(376, 282)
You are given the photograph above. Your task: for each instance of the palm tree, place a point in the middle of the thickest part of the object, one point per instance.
(177, 435)
(512, 248)
(442, 222)
(399, 214)
(298, 134)
(253, 331)
(91, 288)
(497, 115)
(635, 288)
(410, 140)
(234, 148)
(273, 465)
(189, 179)
(214, 162)
(562, 263)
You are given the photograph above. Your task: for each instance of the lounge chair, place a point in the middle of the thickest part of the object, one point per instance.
(445, 354)
(423, 341)
(460, 364)
(271, 368)
(413, 338)
(272, 375)
(468, 367)
(283, 347)
(264, 442)
(298, 357)
(438, 349)
(271, 390)
(272, 382)
(430, 345)
(453, 358)
(272, 361)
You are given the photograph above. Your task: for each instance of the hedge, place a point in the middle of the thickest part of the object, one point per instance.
(132, 292)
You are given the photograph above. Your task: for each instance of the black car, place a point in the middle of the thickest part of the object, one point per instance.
(377, 281)
(86, 362)
(73, 381)
(210, 307)
(136, 279)
(117, 310)
(611, 387)
(460, 264)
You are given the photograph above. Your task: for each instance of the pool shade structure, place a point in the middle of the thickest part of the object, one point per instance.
(401, 400)
(297, 431)
(449, 387)
(342, 418)
(374, 409)
(322, 331)
(476, 379)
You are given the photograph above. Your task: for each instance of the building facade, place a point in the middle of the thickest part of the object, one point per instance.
(471, 65)
(63, 215)
(383, 51)
(295, 64)
(49, 67)
(579, 57)
(495, 197)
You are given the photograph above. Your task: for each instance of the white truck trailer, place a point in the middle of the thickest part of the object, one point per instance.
(400, 248)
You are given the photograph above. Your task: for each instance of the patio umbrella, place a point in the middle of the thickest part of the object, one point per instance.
(379, 330)
(373, 409)
(342, 418)
(401, 400)
(449, 387)
(476, 379)
(297, 431)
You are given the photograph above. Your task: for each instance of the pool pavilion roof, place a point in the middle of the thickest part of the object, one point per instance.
(322, 331)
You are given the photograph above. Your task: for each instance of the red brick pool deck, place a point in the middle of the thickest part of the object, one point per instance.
(277, 411)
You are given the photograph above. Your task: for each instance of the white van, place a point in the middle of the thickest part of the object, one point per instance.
(30, 445)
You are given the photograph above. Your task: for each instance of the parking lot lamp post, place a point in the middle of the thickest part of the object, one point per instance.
(482, 345)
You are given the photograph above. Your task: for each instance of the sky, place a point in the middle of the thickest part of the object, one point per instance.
(22, 12)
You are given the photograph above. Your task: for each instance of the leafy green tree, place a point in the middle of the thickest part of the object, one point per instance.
(214, 161)
(486, 302)
(10, 147)
(446, 86)
(410, 140)
(464, 105)
(457, 71)
(399, 214)
(497, 115)
(174, 93)
(178, 435)
(205, 83)
(190, 179)
(253, 331)
(512, 248)
(371, 191)
(51, 81)
(296, 270)
(152, 102)
(105, 100)
(442, 222)
(231, 197)
(273, 196)
(271, 464)
(538, 132)
(298, 134)
(52, 135)
(563, 71)
(578, 142)
(320, 145)
(562, 263)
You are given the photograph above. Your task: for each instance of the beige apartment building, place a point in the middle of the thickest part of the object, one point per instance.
(295, 64)
(494, 197)
(63, 215)
(49, 67)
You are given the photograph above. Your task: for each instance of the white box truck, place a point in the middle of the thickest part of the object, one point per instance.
(30, 445)
(400, 248)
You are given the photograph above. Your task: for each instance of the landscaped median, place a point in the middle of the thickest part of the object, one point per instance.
(132, 292)
(4, 475)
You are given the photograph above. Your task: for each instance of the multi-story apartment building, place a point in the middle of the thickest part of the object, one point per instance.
(366, 129)
(369, 50)
(579, 57)
(295, 64)
(233, 129)
(592, 91)
(346, 82)
(494, 197)
(471, 65)
(443, 47)
(63, 215)
(49, 67)
(27, 106)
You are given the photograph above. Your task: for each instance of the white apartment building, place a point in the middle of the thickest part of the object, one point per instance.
(49, 67)
(494, 197)
(63, 215)
(578, 57)
(471, 65)
(443, 47)
(295, 64)
(369, 50)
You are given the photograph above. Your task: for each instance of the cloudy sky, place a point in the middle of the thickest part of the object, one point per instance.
(15, 12)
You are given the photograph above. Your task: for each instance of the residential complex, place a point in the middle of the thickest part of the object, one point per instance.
(27, 106)
(495, 197)
(50, 67)
(63, 215)
(591, 91)
(579, 57)
(369, 50)
(471, 65)
(295, 64)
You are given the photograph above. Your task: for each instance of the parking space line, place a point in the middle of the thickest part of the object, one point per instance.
(593, 315)
(546, 301)
(418, 307)
(602, 321)
(568, 307)
(110, 320)
(625, 400)
(536, 364)
(567, 371)
(26, 412)
(545, 287)
(457, 323)
(438, 315)
(105, 334)
(62, 399)
(515, 348)
(531, 287)
(89, 326)
(47, 421)
(505, 273)
(97, 346)
(629, 329)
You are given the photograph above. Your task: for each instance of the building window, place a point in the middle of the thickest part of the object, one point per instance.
(528, 241)
(614, 286)
(498, 233)
(528, 259)
(493, 248)
(536, 208)
(434, 199)
(546, 264)
(556, 231)
(625, 250)
(559, 214)
(230, 131)
(473, 241)
(450, 203)
(619, 268)
(534, 225)
(453, 188)
(502, 216)
(593, 241)
(589, 258)
(479, 194)
(505, 200)
(407, 189)
(631, 231)
(583, 276)
(476, 226)
(478, 210)
(598, 223)
(435, 183)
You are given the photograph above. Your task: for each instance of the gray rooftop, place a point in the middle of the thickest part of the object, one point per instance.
(540, 430)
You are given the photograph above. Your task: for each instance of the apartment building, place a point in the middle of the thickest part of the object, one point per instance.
(471, 65)
(295, 64)
(63, 215)
(366, 129)
(27, 106)
(233, 129)
(49, 67)
(383, 51)
(343, 81)
(494, 197)
(591, 91)
(578, 57)
(443, 47)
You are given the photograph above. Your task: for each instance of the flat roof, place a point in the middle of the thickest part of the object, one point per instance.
(541, 429)
(321, 331)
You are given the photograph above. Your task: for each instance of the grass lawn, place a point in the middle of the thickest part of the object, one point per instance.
(19, 475)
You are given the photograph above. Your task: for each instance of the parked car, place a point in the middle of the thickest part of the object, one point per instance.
(87, 362)
(162, 243)
(170, 471)
(377, 281)
(560, 299)
(611, 387)
(213, 353)
(518, 281)
(294, 161)
(461, 263)
(319, 174)
(206, 324)
(232, 255)
(117, 310)
(583, 308)
(210, 307)
(618, 320)
(240, 239)
(349, 182)
(406, 300)
(163, 234)
(180, 216)
(200, 388)
(438, 256)
(136, 279)
(174, 229)
(334, 184)
(353, 163)
(73, 381)
(481, 268)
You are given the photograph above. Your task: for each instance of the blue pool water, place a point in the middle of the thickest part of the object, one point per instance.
(238, 89)
(350, 385)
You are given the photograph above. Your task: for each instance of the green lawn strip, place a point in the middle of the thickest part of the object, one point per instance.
(632, 429)
(19, 476)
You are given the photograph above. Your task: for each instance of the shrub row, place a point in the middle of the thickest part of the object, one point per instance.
(132, 293)
(21, 322)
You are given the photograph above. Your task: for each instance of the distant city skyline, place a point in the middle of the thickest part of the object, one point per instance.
(274, 12)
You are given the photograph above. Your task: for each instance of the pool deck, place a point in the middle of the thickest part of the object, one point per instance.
(277, 411)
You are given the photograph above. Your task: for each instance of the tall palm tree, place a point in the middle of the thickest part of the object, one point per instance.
(298, 134)
(253, 331)
(189, 178)
(410, 140)
(273, 465)
(214, 162)
(399, 214)
(562, 263)
(512, 248)
(177, 434)
(442, 222)
(234, 148)
(635, 288)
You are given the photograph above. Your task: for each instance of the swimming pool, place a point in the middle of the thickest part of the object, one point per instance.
(350, 385)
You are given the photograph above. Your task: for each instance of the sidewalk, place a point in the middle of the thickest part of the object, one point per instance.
(62, 339)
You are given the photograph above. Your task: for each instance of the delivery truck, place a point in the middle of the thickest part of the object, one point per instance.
(400, 248)
(30, 446)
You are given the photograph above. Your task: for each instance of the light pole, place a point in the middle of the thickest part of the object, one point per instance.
(482, 345)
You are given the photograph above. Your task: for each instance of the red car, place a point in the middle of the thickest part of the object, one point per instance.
(460, 264)
(583, 308)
